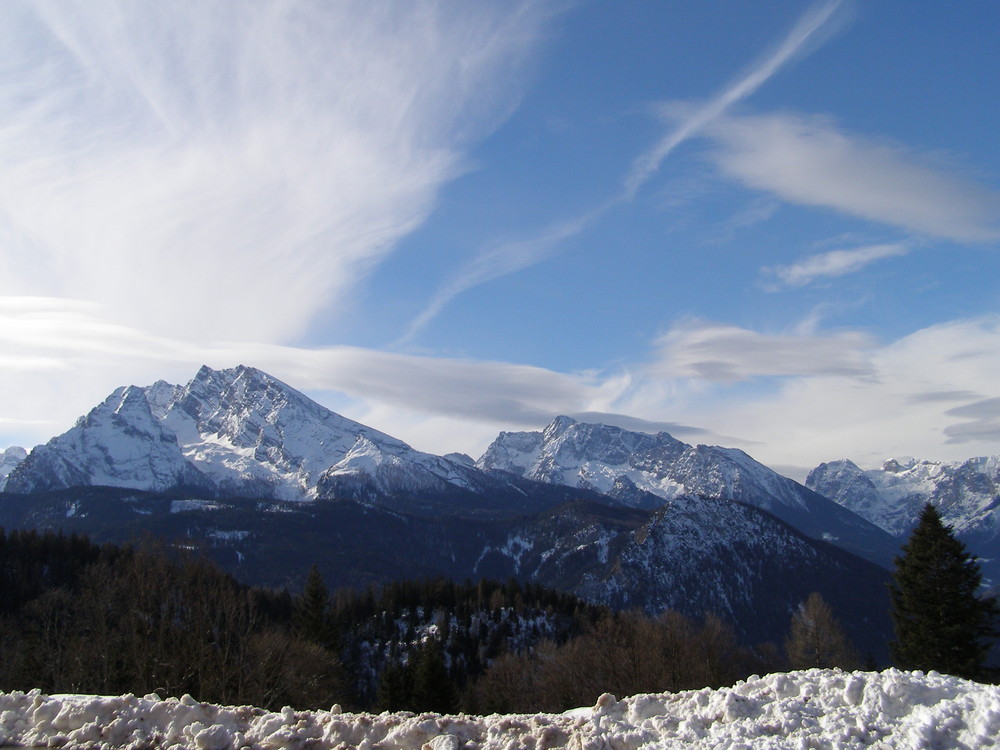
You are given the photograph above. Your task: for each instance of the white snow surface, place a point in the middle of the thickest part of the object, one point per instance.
(809, 709)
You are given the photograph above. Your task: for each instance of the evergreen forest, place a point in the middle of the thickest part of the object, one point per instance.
(76, 617)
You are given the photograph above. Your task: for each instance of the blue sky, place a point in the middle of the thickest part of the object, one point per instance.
(767, 226)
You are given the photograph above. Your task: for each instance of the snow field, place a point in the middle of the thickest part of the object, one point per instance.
(809, 709)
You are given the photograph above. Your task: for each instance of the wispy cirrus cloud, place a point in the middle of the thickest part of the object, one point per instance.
(831, 264)
(253, 159)
(493, 262)
(812, 28)
(809, 161)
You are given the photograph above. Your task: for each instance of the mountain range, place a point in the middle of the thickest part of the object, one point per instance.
(966, 494)
(268, 482)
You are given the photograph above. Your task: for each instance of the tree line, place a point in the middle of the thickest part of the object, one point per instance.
(77, 617)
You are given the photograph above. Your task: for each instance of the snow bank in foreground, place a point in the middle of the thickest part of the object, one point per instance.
(813, 709)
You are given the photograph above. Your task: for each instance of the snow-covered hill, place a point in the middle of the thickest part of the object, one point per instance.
(822, 709)
(10, 458)
(237, 431)
(966, 494)
(632, 466)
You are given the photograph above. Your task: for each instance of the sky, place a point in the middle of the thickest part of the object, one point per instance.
(772, 227)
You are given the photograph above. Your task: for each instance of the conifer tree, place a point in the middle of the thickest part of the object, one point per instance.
(433, 689)
(940, 621)
(311, 610)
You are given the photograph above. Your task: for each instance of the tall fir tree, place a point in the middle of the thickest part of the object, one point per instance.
(940, 620)
(310, 613)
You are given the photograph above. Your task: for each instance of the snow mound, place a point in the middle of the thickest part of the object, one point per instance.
(811, 709)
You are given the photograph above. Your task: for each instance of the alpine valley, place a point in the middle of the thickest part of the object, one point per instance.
(268, 482)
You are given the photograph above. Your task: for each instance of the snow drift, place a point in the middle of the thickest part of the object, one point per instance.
(810, 709)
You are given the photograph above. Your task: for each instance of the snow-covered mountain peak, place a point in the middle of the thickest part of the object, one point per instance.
(558, 427)
(238, 431)
(899, 463)
(9, 459)
(364, 457)
(966, 494)
(634, 467)
(595, 456)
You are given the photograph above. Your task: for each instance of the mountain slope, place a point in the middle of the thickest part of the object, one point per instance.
(693, 554)
(631, 466)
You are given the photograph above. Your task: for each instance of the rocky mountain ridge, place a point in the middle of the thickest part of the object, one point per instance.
(243, 465)
(634, 467)
(229, 432)
(966, 494)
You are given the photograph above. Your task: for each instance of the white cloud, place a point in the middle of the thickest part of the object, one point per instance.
(814, 26)
(48, 343)
(725, 353)
(810, 162)
(497, 261)
(930, 394)
(834, 263)
(211, 169)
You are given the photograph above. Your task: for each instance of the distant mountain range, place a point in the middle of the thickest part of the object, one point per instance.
(268, 482)
(966, 494)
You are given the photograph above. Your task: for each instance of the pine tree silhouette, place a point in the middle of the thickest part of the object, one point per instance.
(940, 621)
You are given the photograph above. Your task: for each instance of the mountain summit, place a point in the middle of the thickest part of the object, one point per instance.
(232, 459)
(236, 432)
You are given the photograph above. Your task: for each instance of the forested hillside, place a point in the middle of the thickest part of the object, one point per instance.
(81, 618)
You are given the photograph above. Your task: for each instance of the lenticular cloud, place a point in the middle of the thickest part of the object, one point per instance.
(814, 709)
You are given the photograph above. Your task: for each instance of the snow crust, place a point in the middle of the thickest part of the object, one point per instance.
(810, 709)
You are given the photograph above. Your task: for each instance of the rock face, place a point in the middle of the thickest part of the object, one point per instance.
(229, 432)
(966, 494)
(634, 467)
